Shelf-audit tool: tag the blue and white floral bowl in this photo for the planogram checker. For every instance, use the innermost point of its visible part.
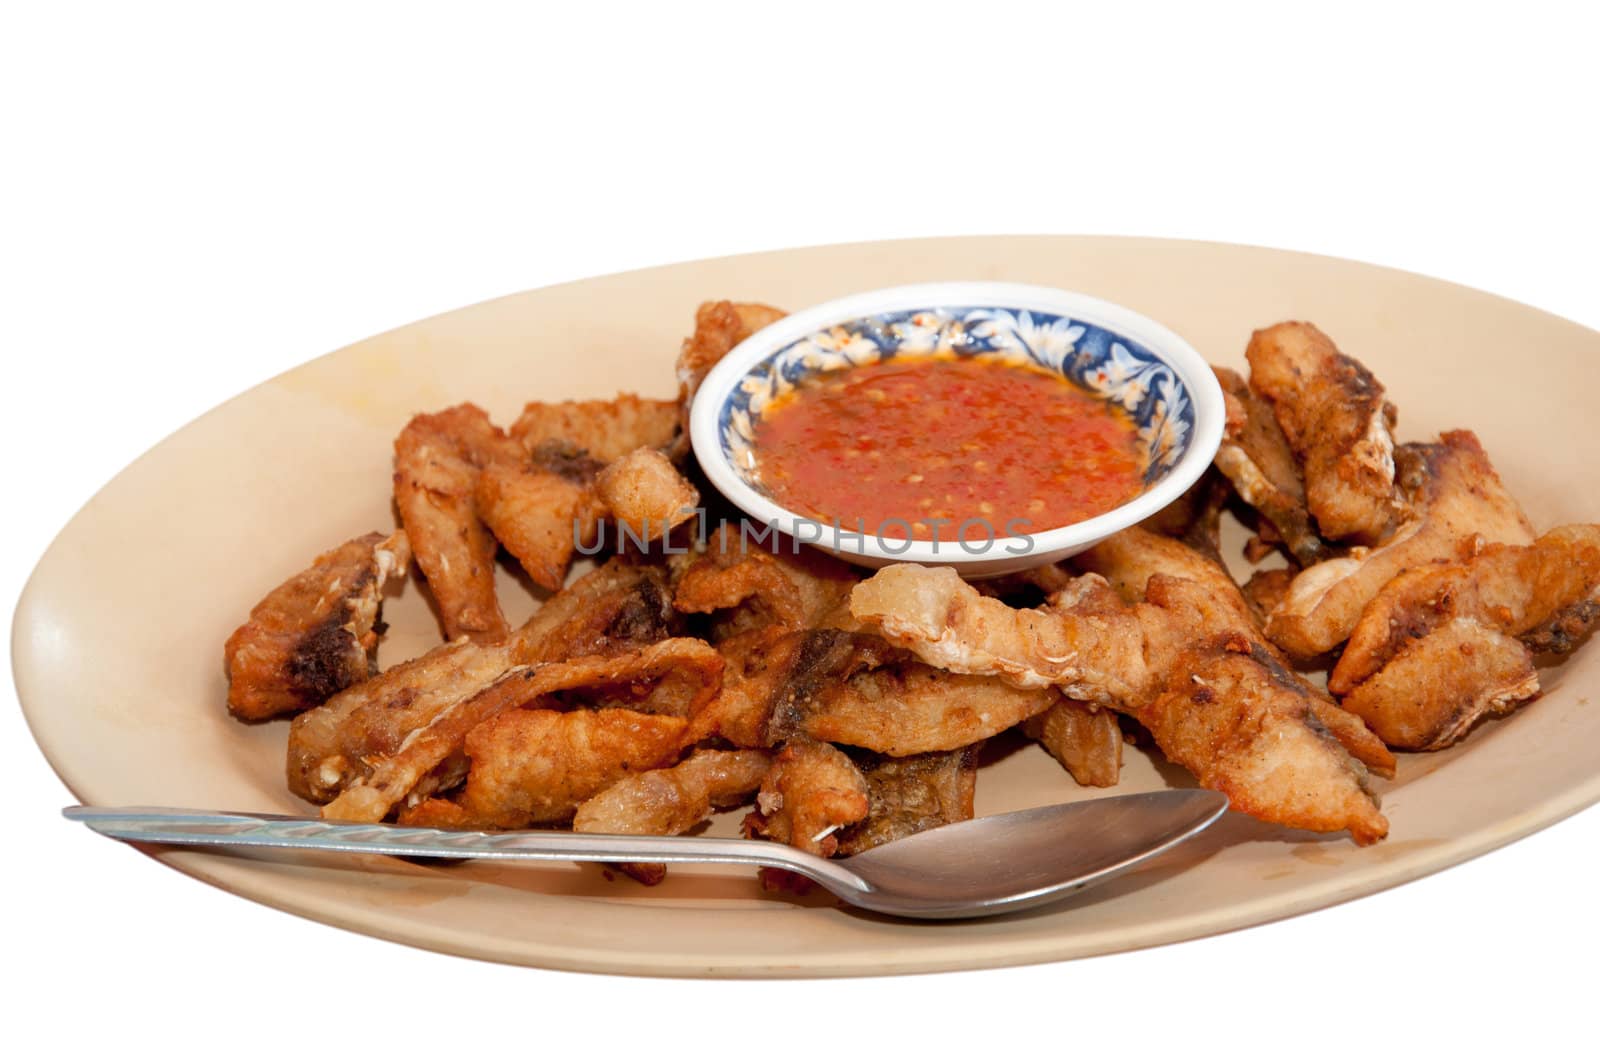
(1125, 358)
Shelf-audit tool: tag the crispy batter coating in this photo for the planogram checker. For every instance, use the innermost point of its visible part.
(673, 800)
(605, 428)
(1256, 458)
(853, 689)
(1458, 499)
(1516, 590)
(437, 458)
(1431, 692)
(1089, 644)
(758, 663)
(618, 607)
(1084, 738)
(908, 795)
(719, 327)
(1232, 720)
(1436, 649)
(645, 493)
(312, 636)
(755, 585)
(535, 766)
(1334, 416)
(811, 791)
(1265, 745)
(676, 677)
(539, 506)
(676, 799)
(1130, 559)
(333, 745)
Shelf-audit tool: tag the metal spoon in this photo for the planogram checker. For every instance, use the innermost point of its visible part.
(979, 867)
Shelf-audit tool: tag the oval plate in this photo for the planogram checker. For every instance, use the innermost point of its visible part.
(118, 636)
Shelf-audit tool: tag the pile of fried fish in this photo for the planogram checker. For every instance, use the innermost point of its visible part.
(692, 671)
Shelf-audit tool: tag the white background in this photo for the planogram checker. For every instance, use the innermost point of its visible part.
(197, 198)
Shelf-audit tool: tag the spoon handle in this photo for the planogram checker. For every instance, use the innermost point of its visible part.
(181, 826)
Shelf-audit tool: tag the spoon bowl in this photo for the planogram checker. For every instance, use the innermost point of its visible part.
(979, 867)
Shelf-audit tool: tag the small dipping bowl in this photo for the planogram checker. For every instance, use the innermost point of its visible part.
(1113, 353)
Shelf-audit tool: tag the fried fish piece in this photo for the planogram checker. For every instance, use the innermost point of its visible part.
(1086, 739)
(536, 766)
(1131, 558)
(755, 584)
(1264, 744)
(1256, 458)
(437, 459)
(313, 635)
(1431, 692)
(1087, 642)
(1457, 498)
(622, 605)
(676, 677)
(1334, 416)
(539, 507)
(1521, 591)
(673, 800)
(853, 689)
(646, 494)
(542, 509)
(908, 795)
(606, 429)
(333, 745)
(1235, 721)
(618, 607)
(758, 663)
(719, 327)
(811, 791)
(1437, 648)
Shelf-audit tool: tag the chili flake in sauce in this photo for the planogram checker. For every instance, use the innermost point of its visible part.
(930, 442)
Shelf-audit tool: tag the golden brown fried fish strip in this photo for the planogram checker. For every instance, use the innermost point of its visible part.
(676, 678)
(618, 607)
(908, 795)
(1129, 559)
(1457, 498)
(1436, 649)
(538, 507)
(809, 793)
(1087, 642)
(673, 800)
(1085, 739)
(852, 690)
(718, 328)
(1232, 720)
(1438, 686)
(1256, 458)
(605, 428)
(676, 799)
(762, 586)
(535, 766)
(1264, 746)
(1334, 416)
(437, 458)
(758, 663)
(335, 744)
(312, 636)
(1521, 591)
(646, 494)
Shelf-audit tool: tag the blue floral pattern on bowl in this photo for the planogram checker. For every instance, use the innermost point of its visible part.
(1113, 367)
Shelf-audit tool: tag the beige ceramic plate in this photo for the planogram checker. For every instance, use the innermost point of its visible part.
(119, 634)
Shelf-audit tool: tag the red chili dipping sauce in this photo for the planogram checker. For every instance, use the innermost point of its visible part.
(929, 442)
